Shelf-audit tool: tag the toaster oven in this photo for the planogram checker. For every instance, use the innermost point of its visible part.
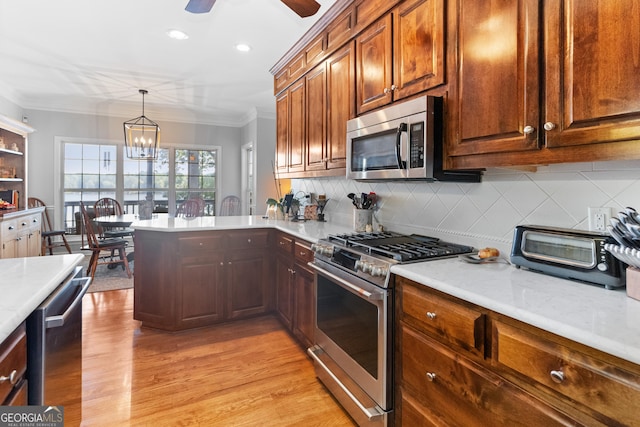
(571, 254)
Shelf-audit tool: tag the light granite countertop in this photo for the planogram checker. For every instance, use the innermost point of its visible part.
(26, 282)
(607, 320)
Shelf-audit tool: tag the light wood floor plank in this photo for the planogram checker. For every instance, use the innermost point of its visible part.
(245, 373)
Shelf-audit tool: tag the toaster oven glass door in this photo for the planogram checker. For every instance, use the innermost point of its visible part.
(575, 251)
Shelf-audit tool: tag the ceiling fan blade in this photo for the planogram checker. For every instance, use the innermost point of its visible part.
(199, 6)
(304, 8)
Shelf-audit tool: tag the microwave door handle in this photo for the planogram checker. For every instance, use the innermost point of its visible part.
(401, 129)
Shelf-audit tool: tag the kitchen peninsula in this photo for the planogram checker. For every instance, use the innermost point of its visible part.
(561, 350)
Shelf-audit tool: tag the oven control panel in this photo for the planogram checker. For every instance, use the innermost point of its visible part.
(372, 268)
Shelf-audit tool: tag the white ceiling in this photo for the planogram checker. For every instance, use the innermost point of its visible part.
(92, 56)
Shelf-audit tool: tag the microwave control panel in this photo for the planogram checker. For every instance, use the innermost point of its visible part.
(416, 145)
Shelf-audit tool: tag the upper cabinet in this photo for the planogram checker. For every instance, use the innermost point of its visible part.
(542, 82)
(401, 54)
(13, 159)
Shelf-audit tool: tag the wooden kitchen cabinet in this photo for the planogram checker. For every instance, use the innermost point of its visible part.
(340, 104)
(284, 283)
(304, 307)
(443, 376)
(538, 84)
(290, 129)
(453, 371)
(193, 279)
(13, 368)
(401, 54)
(602, 390)
(295, 302)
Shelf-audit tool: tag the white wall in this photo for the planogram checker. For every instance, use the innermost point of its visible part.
(49, 124)
(485, 214)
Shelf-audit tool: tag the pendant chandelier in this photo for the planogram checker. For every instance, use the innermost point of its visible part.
(142, 136)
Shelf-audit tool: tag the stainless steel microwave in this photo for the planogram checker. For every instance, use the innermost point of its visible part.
(400, 142)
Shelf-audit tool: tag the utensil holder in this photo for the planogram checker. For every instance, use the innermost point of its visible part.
(362, 217)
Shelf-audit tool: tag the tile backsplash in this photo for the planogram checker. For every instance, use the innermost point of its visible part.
(485, 214)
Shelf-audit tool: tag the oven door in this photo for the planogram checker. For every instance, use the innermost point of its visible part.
(353, 342)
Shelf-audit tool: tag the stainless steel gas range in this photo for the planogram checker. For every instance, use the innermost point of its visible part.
(353, 351)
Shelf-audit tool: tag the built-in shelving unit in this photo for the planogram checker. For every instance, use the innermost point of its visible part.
(13, 159)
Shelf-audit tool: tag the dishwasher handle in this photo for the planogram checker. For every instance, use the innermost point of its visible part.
(58, 320)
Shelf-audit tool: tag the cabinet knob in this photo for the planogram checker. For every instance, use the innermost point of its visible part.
(12, 378)
(248, 240)
(557, 376)
(23, 224)
(386, 90)
(221, 263)
(431, 376)
(35, 220)
(394, 87)
(549, 126)
(528, 130)
(303, 253)
(431, 315)
(11, 227)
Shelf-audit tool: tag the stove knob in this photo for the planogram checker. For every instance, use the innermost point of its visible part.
(379, 270)
(315, 248)
(363, 266)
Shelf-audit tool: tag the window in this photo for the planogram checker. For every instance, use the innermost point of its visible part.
(93, 171)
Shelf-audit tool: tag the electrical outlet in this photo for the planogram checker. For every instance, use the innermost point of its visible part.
(599, 218)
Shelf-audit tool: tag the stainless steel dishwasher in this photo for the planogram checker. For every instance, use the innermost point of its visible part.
(54, 346)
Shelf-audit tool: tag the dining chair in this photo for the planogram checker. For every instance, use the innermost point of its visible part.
(190, 208)
(99, 246)
(230, 206)
(107, 206)
(48, 234)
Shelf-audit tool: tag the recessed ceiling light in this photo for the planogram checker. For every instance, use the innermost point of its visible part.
(243, 47)
(177, 34)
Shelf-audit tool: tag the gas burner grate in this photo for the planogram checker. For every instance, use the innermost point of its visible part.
(399, 247)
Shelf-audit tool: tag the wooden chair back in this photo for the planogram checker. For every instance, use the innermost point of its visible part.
(230, 206)
(190, 208)
(48, 234)
(34, 202)
(107, 206)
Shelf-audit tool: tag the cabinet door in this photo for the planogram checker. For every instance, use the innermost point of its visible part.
(247, 274)
(284, 289)
(340, 104)
(374, 66)
(591, 71)
(297, 134)
(200, 292)
(418, 47)
(305, 314)
(316, 82)
(495, 91)
(282, 132)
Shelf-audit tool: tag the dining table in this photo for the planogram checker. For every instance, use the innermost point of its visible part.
(110, 221)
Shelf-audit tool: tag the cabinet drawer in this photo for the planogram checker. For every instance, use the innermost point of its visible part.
(9, 228)
(13, 357)
(284, 243)
(303, 252)
(249, 240)
(453, 323)
(598, 385)
(457, 391)
(200, 244)
(29, 222)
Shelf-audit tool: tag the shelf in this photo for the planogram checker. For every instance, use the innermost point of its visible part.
(11, 179)
(6, 150)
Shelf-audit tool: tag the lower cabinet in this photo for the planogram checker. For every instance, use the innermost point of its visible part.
(294, 287)
(463, 365)
(193, 279)
(13, 368)
(20, 234)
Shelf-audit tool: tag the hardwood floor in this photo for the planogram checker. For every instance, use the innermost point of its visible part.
(246, 373)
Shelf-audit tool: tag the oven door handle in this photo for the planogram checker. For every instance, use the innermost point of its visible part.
(58, 320)
(348, 286)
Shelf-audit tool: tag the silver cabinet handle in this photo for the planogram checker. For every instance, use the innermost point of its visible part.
(557, 376)
(11, 227)
(431, 315)
(12, 378)
(393, 87)
(528, 130)
(431, 376)
(549, 126)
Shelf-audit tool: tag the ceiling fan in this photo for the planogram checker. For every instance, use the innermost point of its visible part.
(304, 8)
